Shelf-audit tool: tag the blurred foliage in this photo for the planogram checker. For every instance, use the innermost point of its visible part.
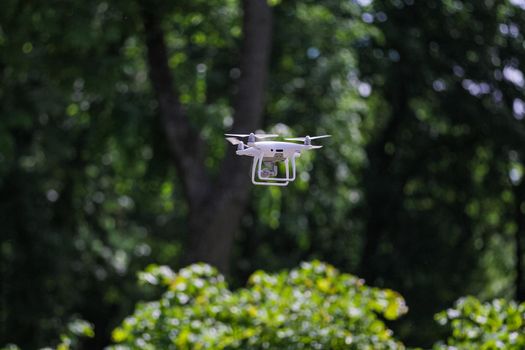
(439, 190)
(426, 158)
(420, 188)
(310, 307)
(75, 329)
(69, 339)
(475, 325)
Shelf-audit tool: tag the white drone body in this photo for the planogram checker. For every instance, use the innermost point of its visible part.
(267, 154)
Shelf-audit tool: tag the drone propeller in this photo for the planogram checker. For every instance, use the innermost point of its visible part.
(259, 136)
(307, 138)
(234, 141)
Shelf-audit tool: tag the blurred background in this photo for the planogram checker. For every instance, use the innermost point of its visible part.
(112, 153)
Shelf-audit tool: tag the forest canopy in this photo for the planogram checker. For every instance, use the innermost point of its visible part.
(112, 155)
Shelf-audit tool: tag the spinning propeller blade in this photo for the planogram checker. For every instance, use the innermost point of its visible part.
(233, 140)
(265, 136)
(295, 138)
(259, 136)
(304, 138)
(237, 135)
(320, 137)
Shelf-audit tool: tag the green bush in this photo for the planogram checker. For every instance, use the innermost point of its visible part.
(312, 307)
(499, 324)
(70, 337)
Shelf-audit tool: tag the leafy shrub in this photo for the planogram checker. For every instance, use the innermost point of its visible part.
(76, 329)
(69, 338)
(499, 324)
(312, 307)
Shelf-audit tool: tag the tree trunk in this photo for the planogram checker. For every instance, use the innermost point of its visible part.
(519, 240)
(383, 188)
(216, 207)
(213, 225)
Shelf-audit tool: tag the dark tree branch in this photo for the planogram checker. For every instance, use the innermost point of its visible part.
(519, 240)
(218, 224)
(255, 55)
(383, 201)
(185, 144)
(215, 208)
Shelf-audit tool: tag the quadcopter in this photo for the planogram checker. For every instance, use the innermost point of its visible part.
(267, 154)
